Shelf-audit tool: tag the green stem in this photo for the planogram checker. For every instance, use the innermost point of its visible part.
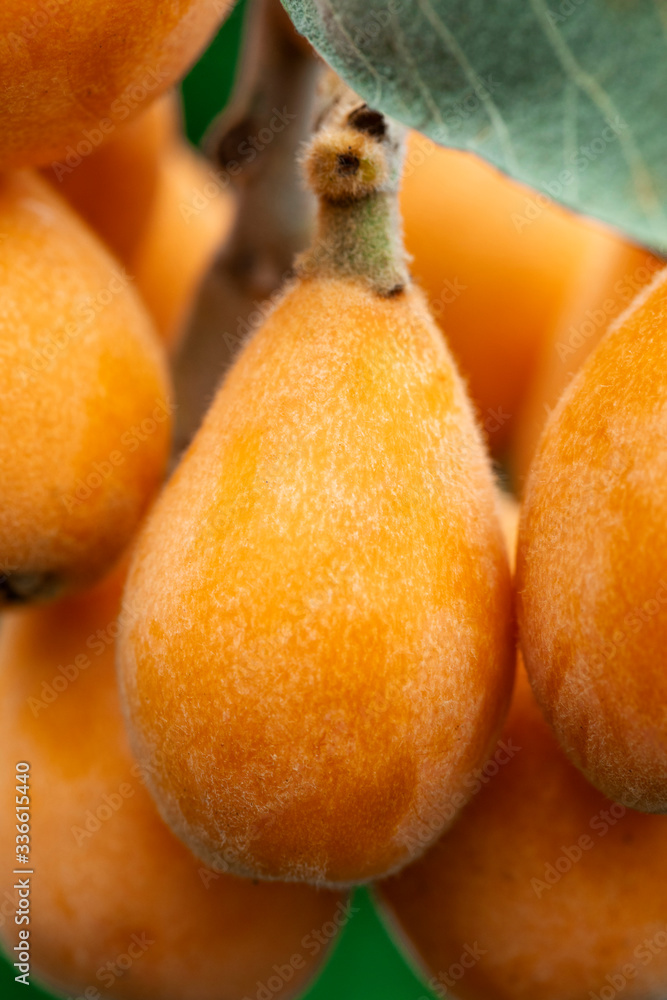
(359, 239)
(353, 164)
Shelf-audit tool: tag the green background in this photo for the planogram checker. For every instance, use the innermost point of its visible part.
(365, 964)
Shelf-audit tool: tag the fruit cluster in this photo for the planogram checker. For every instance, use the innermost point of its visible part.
(226, 700)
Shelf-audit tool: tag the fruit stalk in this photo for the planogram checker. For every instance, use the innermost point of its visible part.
(274, 217)
(354, 167)
(338, 654)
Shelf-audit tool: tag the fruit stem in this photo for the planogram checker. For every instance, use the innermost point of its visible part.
(254, 144)
(353, 165)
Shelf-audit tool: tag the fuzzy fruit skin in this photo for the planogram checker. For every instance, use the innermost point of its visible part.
(496, 278)
(81, 368)
(74, 80)
(337, 653)
(108, 872)
(114, 188)
(560, 936)
(142, 194)
(179, 240)
(591, 561)
(611, 275)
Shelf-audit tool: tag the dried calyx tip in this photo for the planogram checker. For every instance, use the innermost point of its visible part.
(355, 150)
(353, 164)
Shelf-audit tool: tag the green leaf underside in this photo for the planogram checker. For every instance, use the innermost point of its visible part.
(569, 96)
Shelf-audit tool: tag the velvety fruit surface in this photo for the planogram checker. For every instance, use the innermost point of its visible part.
(85, 414)
(118, 906)
(592, 553)
(319, 632)
(72, 72)
(543, 889)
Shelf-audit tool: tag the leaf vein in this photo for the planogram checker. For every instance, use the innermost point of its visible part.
(335, 16)
(489, 105)
(423, 89)
(643, 183)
